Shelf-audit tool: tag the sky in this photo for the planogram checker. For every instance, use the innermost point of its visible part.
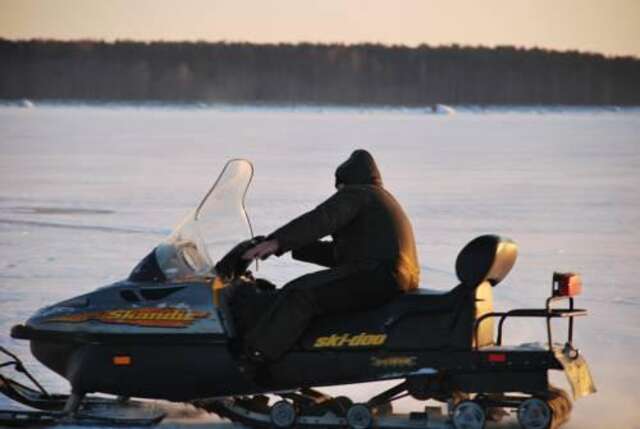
(611, 27)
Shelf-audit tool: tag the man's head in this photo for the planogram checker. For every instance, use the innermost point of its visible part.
(359, 169)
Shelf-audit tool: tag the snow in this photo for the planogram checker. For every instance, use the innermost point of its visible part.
(86, 191)
(443, 109)
(26, 104)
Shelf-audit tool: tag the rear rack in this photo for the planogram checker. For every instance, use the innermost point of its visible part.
(548, 313)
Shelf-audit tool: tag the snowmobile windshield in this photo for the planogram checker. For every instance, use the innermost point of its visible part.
(218, 223)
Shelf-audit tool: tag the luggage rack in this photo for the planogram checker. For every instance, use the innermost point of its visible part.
(564, 287)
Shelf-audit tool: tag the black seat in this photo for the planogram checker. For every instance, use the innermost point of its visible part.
(426, 319)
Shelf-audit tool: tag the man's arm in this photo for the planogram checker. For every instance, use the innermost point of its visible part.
(319, 252)
(327, 218)
(336, 212)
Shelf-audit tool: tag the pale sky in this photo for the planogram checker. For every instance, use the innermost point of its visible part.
(611, 27)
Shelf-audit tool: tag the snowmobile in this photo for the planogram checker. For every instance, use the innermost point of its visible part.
(173, 330)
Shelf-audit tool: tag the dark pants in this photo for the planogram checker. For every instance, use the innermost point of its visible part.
(336, 290)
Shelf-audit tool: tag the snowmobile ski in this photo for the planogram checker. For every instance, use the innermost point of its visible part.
(47, 408)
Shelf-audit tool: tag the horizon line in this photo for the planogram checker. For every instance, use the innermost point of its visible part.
(327, 44)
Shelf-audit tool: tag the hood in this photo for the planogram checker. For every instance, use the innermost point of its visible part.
(359, 169)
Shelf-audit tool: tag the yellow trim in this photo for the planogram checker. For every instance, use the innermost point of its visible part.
(168, 317)
(363, 339)
(216, 286)
(393, 361)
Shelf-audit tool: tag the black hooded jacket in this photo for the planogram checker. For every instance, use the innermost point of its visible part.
(367, 224)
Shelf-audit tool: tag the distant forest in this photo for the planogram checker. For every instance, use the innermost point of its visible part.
(365, 74)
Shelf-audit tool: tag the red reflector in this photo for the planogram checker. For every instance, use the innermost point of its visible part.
(567, 284)
(497, 357)
(122, 360)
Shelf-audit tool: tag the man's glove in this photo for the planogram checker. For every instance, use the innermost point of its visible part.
(262, 250)
(233, 264)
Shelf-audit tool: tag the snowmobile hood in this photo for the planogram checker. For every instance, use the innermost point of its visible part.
(359, 169)
(172, 310)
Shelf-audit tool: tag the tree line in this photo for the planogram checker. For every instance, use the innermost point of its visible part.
(363, 74)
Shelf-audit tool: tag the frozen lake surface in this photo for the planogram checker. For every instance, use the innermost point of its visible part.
(85, 192)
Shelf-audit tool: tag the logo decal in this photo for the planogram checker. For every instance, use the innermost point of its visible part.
(153, 317)
(348, 340)
(393, 361)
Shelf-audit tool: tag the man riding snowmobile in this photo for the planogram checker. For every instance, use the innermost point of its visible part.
(371, 259)
(177, 310)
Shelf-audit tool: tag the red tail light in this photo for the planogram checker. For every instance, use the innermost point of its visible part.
(566, 284)
(497, 357)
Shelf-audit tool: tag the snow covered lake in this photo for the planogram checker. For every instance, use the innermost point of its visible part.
(85, 192)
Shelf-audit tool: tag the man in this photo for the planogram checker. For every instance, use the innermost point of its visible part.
(371, 259)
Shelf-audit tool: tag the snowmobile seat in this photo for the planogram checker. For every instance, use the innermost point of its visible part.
(426, 319)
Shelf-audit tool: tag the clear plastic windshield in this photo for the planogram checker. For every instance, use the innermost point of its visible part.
(212, 229)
